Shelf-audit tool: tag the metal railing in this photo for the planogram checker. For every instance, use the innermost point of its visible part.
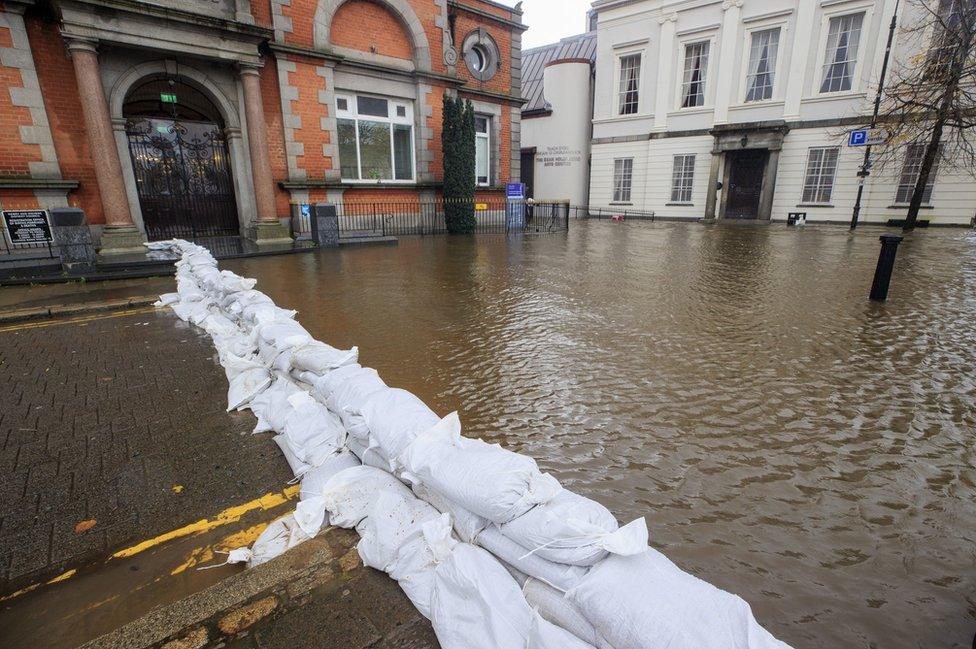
(611, 213)
(364, 220)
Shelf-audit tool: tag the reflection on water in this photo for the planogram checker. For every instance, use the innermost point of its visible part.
(786, 439)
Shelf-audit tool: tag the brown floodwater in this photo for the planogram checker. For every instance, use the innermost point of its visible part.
(785, 438)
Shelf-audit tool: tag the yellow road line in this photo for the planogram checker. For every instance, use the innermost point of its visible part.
(23, 591)
(226, 517)
(55, 322)
(230, 515)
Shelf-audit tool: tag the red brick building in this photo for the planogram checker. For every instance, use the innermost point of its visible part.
(180, 117)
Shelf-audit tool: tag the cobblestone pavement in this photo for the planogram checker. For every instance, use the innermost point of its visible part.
(113, 430)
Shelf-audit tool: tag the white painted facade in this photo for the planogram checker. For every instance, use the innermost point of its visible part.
(774, 129)
(560, 137)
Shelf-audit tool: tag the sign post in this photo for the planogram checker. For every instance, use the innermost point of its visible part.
(27, 227)
(514, 207)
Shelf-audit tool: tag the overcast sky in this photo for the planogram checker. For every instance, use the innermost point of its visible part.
(550, 20)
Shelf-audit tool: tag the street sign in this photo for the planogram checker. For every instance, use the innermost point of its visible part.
(25, 227)
(867, 137)
(481, 207)
(515, 190)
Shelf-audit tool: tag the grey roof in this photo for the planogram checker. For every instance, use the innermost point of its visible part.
(534, 61)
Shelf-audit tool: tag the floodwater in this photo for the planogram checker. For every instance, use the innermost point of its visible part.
(785, 438)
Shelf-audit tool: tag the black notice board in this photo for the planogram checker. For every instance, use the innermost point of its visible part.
(26, 227)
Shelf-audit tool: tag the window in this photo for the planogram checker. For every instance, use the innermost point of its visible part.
(373, 145)
(480, 53)
(840, 58)
(696, 66)
(682, 178)
(909, 176)
(821, 170)
(629, 92)
(623, 172)
(482, 146)
(946, 38)
(762, 65)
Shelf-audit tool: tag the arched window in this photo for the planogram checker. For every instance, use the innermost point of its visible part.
(162, 96)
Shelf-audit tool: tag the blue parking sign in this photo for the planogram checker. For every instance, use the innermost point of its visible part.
(859, 138)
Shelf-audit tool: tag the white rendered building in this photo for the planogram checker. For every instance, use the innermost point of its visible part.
(557, 81)
(741, 109)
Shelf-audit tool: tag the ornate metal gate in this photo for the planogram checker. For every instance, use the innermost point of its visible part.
(183, 176)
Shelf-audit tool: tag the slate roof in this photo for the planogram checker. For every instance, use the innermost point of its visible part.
(582, 46)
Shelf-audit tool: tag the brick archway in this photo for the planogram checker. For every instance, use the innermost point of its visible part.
(400, 9)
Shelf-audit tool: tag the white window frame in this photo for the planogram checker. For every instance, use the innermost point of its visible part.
(618, 77)
(620, 199)
(933, 176)
(863, 52)
(351, 113)
(679, 72)
(750, 33)
(685, 182)
(820, 176)
(486, 136)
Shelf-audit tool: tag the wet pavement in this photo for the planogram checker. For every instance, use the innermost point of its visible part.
(786, 439)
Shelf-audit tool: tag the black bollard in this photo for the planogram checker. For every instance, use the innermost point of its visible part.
(886, 261)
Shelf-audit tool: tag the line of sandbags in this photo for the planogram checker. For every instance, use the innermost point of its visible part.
(536, 565)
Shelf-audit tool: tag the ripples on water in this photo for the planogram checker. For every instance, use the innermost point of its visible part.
(786, 439)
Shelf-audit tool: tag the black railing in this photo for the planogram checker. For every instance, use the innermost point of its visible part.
(362, 220)
(611, 213)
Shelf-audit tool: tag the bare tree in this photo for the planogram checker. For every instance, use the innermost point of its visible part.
(930, 101)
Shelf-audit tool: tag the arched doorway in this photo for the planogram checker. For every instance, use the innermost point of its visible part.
(180, 160)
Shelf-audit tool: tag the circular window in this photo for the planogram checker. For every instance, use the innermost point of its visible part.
(477, 58)
(481, 55)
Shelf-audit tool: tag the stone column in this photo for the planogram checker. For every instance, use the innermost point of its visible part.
(726, 61)
(665, 67)
(710, 197)
(267, 229)
(803, 30)
(769, 185)
(120, 235)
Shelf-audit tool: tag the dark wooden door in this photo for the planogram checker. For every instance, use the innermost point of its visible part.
(528, 172)
(745, 183)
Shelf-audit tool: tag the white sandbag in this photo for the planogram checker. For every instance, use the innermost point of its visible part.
(311, 516)
(349, 396)
(245, 386)
(298, 467)
(392, 518)
(483, 478)
(193, 311)
(324, 385)
(349, 493)
(476, 604)
(466, 524)
(575, 530)
(319, 358)
(271, 407)
(558, 575)
(313, 433)
(553, 606)
(218, 325)
(645, 602)
(167, 299)
(281, 333)
(235, 343)
(417, 558)
(252, 314)
(369, 456)
(394, 418)
(234, 283)
(280, 536)
(315, 479)
(543, 634)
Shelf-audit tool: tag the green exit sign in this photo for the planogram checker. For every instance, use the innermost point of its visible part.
(167, 98)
